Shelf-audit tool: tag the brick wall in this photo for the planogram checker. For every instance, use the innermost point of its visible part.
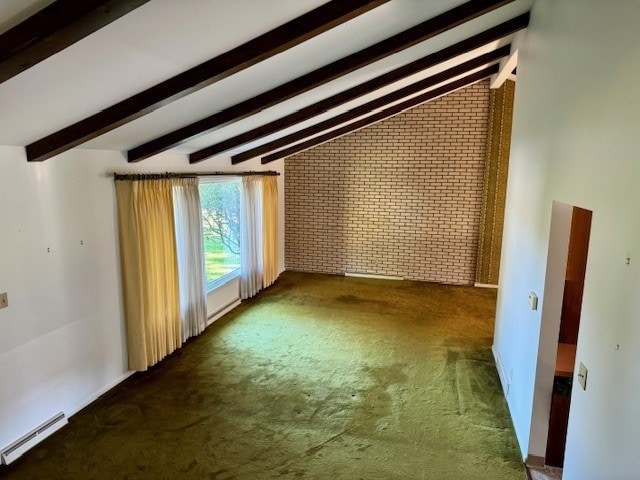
(401, 197)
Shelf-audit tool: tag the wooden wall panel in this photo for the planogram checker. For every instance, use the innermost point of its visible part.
(495, 184)
(574, 280)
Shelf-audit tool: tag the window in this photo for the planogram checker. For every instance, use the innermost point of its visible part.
(220, 203)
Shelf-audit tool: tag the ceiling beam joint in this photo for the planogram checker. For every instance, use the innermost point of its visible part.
(505, 70)
(377, 117)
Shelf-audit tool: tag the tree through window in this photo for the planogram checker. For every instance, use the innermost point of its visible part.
(220, 204)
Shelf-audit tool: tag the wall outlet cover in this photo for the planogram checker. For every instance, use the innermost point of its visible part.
(4, 300)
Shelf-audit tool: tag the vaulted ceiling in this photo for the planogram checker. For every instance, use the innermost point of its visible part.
(240, 78)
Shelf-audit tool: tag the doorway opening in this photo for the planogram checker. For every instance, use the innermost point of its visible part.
(567, 253)
(568, 335)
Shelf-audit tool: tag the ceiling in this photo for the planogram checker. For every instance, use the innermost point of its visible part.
(163, 38)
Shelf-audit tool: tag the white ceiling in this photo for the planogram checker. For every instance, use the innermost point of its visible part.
(13, 12)
(165, 37)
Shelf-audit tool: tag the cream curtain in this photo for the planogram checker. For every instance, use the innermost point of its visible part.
(149, 270)
(190, 255)
(251, 268)
(271, 258)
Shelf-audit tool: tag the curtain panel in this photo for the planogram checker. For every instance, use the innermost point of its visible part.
(190, 256)
(260, 255)
(149, 270)
(251, 269)
(270, 251)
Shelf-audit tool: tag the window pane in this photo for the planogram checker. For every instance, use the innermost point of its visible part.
(220, 227)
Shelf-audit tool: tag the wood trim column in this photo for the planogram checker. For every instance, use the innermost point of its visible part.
(495, 184)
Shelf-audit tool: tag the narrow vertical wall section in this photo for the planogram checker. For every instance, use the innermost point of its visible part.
(495, 183)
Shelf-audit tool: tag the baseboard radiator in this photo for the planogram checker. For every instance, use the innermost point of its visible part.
(31, 439)
(372, 275)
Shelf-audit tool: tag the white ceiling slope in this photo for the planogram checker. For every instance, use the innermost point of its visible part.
(165, 37)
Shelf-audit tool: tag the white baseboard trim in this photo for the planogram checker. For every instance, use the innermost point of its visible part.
(93, 397)
(98, 393)
(502, 374)
(223, 311)
(534, 461)
(485, 285)
(506, 388)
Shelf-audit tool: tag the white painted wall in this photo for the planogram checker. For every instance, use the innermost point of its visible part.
(62, 337)
(551, 313)
(576, 140)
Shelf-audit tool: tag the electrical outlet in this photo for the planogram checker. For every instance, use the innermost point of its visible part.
(4, 300)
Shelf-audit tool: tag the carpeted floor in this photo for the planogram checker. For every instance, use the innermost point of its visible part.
(318, 377)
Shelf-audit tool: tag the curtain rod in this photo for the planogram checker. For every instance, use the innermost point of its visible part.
(155, 176)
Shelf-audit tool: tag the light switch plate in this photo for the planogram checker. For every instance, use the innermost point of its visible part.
(4, 300)
(582, 376)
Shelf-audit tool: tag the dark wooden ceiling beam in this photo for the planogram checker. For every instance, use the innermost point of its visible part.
(254, 51)
(389, 112)
(381, 102)
(425, 30)
(54, 28)
(500, 31)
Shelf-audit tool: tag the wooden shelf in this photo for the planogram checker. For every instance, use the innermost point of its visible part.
(565, 360)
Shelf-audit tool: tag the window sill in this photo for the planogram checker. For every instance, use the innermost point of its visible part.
(222, 281)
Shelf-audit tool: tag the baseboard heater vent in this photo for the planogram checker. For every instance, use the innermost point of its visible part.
(223, 311)
(502, 373)
(31, 439)
(372, 275)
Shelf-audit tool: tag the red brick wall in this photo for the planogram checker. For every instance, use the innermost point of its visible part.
(401, 197)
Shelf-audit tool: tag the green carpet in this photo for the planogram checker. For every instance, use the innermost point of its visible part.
(318, 377)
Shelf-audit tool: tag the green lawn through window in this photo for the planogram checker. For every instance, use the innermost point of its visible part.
(218, 259)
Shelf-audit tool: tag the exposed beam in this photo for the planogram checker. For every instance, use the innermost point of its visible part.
(465, 46)
(380, 102)
(399, 42)
(260, 48)
(389, 112)
(55, 28)
(507, 66)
